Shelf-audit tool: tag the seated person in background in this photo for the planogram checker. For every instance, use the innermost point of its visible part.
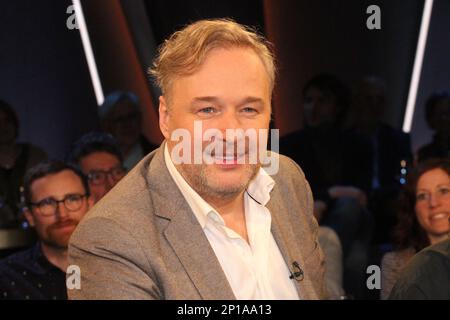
(121, 116)
(336, 165)
(332, 250)
(15, 159)
(389, 148)
(98, 156)
(437, 114)
(57, 198)
(423, 218)
(427, 276)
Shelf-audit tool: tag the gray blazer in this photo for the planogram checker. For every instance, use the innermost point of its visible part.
(142, 241)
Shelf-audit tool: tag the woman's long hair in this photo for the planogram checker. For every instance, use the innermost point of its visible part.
(409, 233)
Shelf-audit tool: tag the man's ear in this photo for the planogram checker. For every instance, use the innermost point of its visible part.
(164, 117)
(29, 216)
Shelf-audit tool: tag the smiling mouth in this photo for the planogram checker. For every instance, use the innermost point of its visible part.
(439, 216)
(229, 159)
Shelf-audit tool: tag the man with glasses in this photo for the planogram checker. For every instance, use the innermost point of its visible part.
(57, 197)
(99, 158)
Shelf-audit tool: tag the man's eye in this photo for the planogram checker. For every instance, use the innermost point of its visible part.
(207, 110)
(73, 197)
(444, 191)
(46, 202)
(95, 175)
(249, 110)
(118, 171)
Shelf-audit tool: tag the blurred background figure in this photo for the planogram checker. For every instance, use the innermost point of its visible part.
(427, 276)
(437, 114)
(57, 197)
(15, 159)
(334, 273)
(336, 165)
(98, 156)
(423, 218)
(389, 153)
(121, 116)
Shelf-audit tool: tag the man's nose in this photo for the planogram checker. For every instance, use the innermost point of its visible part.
(61, 211)
(110, 181)
(229, 120)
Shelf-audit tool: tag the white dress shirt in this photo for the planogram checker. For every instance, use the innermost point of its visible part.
(254, 269)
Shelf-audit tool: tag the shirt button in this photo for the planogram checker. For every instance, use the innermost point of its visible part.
(39, 285)
(27, 297)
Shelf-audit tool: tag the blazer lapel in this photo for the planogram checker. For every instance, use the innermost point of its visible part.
(185, 234)
(284, 235)
(199, 260)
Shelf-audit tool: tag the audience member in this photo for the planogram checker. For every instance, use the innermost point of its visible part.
(121, 116)
(332, 250)
(98, 156)
(57, 198)
(389, 153)
(15, 159)
(427, 276)
(437, 114)
(336, 165)
(423, 218)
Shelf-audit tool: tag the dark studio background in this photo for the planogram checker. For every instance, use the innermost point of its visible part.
(44, 73)
(45, 77)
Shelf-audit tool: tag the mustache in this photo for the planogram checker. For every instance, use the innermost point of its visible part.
(228, 148)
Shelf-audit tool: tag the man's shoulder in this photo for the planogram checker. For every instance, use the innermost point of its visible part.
(126, 205)
(288, 168)
(290, 176)
(17, 260)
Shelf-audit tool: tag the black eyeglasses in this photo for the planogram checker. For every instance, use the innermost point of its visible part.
(47, 207)
(98, 177)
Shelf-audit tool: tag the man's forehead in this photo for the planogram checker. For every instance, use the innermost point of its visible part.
(99, 160)
(57, 184)
(221, 64)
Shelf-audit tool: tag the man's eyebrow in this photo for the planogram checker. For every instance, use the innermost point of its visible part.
(215, 99)
(252, 99)
(205, 99)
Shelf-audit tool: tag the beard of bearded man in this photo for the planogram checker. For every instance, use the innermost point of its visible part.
(57, 238)
(208, 186)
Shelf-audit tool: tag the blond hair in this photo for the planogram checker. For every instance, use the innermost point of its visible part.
(185, 51)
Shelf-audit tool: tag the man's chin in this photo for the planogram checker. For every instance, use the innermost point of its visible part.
(229, 182)
(60, 238)
(58, 243)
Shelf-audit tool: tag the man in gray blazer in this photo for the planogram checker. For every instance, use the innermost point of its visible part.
(196, 218)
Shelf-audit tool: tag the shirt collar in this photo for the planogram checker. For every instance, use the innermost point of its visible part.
(38, 256)
(258, 189)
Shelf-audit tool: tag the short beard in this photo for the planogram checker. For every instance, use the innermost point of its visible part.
(196, 177)
(56, 241)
